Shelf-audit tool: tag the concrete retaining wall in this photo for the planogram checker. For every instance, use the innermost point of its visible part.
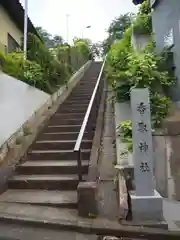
(139, 42)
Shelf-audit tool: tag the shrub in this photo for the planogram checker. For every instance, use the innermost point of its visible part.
(143, 25)
(126, 68)
(125, 133)
(44, 69)
(143, 21)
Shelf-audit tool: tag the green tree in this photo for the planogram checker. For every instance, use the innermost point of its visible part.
(119, 25)
(57, 40)
(117, 29)
(44, 35)
(49, 40)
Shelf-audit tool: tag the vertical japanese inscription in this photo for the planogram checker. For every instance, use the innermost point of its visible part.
(142, 141)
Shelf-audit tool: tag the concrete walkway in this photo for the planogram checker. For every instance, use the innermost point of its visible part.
(171, 211)
(19, 232)
(107, 192)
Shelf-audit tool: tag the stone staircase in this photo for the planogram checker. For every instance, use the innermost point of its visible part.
(46, 178)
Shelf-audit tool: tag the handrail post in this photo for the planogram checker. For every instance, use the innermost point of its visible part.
(79, 165)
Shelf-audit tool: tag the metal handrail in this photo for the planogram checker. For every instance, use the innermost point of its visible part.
(86, 118)
(85, 121)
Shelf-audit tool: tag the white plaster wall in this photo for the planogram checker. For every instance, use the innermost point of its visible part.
(18, 101)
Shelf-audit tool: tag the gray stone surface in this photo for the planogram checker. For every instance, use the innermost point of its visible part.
(171, 210)
(147, 208)
(160, 164)
(15, 231)
(87, 199)
(146, 203)
(108, 207)
(142, 142)
(139, 42)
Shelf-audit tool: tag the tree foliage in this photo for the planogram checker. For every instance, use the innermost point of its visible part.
(49, 40)
(117, 29)
(119, 25)
(143, 22)
(127, 69)
(46, 69)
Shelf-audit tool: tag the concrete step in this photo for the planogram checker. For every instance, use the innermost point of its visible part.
(72, 110)
(83, 92)
(60, 121)
(76, 109)
(59, 145)
(44, 182)
(51, 167)
(79, 98)
(32, 214)
(63, 199)
(69, 115)
(35, 222)
(76, 102)
(57, 155)
(63, 136)
(18, 230)
(62, 128)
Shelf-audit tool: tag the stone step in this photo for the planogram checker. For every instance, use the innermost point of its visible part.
(69, 102)
(51, 167)
(18, 230)
(83, 92)
(32, 214)
(85, 88)
(44, 182)
(72, 110)
(79, 98)
(78, 109)
(63, 199)
(85, 85)
(57, 155)
(62, 128)
(59, 145)
(61, 121)
(75, 104)
(63, 136)
(69, 115)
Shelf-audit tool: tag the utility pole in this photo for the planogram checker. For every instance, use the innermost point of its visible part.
(67, 27)
(25, 28)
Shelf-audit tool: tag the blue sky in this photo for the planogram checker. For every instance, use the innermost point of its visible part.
(51, 15)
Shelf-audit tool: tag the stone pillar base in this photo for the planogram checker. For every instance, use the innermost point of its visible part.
(147, 208)
(87, 199)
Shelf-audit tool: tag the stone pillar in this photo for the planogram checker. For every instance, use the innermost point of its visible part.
(146, 202)
(87, 199)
